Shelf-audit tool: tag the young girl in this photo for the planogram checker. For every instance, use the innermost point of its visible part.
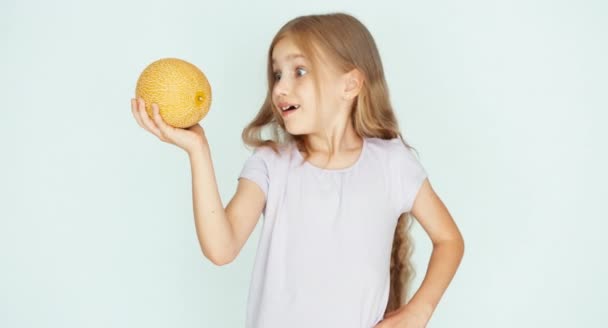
(336, 184)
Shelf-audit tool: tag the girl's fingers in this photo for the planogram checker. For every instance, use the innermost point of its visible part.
(160, 123)
(136, 113)
(150, 126)
(158, 119)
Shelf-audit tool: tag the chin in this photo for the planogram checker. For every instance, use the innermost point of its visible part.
(296, 133)
(296, 130)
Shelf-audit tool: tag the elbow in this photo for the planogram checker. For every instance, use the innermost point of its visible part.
(456, 243)
(461, 248)
(460, 244)
(219, 259)
(220, 262)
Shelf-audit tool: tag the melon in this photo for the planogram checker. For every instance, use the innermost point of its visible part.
(180, 89)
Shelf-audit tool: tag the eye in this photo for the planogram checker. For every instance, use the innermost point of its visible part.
(277, 76)
(300, 71)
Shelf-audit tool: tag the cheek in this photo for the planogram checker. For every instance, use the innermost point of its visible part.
(308, 92)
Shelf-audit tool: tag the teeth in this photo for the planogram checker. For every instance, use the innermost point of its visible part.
(290, 106)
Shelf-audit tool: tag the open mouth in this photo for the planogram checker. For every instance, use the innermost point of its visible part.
(289, 108)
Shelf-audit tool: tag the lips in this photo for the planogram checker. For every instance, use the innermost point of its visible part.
(284, 106)
(287, 109)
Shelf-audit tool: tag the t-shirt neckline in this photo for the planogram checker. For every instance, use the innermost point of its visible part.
(345, 169)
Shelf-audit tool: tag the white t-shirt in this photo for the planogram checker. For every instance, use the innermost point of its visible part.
(324, 253)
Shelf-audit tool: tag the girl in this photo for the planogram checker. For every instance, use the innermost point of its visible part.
(336, 184)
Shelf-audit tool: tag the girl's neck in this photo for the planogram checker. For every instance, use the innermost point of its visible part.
(334, 142)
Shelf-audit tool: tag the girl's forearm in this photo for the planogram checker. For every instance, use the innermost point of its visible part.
(444, 261)
(212, 226)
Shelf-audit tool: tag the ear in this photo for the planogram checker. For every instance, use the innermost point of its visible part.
(353, 82)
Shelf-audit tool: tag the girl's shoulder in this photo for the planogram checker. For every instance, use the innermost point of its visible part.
(270, 154)
(388, 146)
(383, 142)
(391, 150)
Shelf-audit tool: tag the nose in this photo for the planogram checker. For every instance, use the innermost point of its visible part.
(281, 87)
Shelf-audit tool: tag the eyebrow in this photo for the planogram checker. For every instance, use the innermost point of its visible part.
(291, 56)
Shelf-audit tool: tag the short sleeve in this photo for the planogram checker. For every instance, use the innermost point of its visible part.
(410, 177)
(256, 169)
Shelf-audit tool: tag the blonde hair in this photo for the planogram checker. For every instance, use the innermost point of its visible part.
(348, 44)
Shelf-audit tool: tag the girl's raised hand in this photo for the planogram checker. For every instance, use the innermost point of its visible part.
(188, 139)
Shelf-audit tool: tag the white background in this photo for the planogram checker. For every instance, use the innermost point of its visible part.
(505, 101)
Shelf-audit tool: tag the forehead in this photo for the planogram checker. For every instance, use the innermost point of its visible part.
(286, 50)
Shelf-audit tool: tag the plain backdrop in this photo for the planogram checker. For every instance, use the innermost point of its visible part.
(505, 102)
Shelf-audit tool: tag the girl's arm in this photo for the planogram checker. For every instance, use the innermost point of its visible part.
(448, 249)
(222, 232)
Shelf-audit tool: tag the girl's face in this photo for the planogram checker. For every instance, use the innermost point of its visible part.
(294, 94)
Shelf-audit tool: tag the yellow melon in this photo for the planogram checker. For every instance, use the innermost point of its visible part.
(180, 89)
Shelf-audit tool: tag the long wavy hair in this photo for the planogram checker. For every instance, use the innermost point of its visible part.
(348, 44)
